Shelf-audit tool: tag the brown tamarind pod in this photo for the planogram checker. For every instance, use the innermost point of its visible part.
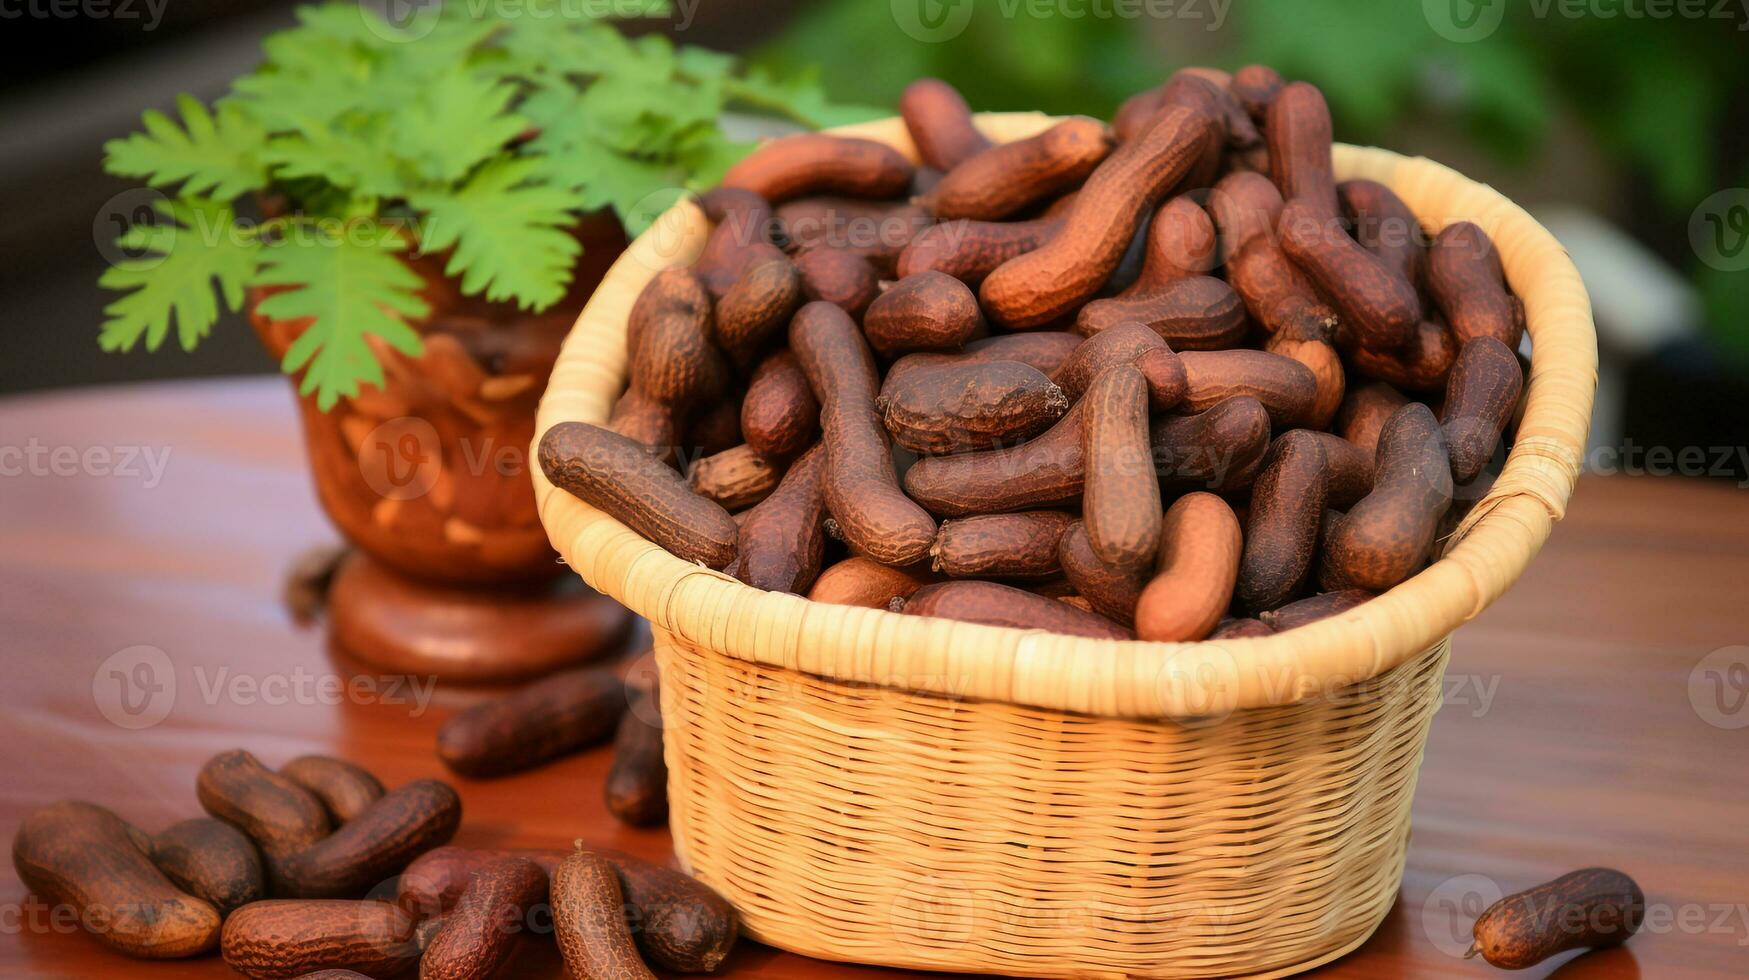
(971, 250)
(736, 478)
(1206, 92)
(211, 860)
(715, 427)
(1378, 307)
(552, 717)
(1238, 629)
(1246, 208)
(1421, 364)
(782, 541)
(280, 816)
(1195, 313)
(589, 917)
(83, 858)
(1480, 395)
(865, 582)
(289, 938)
(1046, 471)
(969, 407)
(1256, 86)
(1192, 587)
(1384, 226)
(1320, 358)
(991, 604)
(1109, 590)
(1364, 412)
(1008, 177)
(1045, 284)
(930, 311)
(1385, 538)
(647, 422)
(1219, 450)
(1181, 243)
(816, 163)
(344, 788)
(757, 307)
(1299, 135)
(1313, 608)
(1008, 546)
(1281, 526)
(1046, 350)
(1466, 280)
(940, 123)
(1350, 468)
(844, 279)
(743, 222)
(637, 785)
(779, 416)
(675, 291)
(375, 845)
(1124, 343)
(1121, 500)
(675, 362)
(876, 230)
(1287, 388)
(862, 490)
(1164, 372)
(1589, 908)
(614, 474)
(481, 935)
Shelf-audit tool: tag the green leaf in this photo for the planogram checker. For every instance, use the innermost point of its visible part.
(799, 97)
(461, 121)
(354, 286)
(509, 232)
(209, 155)
(172, 282)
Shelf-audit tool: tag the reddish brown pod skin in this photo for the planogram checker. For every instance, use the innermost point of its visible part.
(1480, 396)
(280, 816)
(1121, 502)
(736, 478)
(1350, 468)
(667, 336)
(757, 307)
(1011, 546)
(862, 490)
(1379, 308)
(1196, 313)
(1167, 381)
(990, 604)
(1256, 86)
(1043, 285)
(345, 789)
(1047, 471)
(1313, 608)
(930, 311)
(590, 922)
(783, 540)
(552, 717)
(1384, 226)
(649, 423)
(1240, 629)
(969, 407)
(815, 163)
(674, 291)
(1466, 280)
(1246, 208)
(1110, 591)
(1281, 526)
(1287, 388)
(408, 821)
(876, 230)
(1299, 136)
(940, 123)
(844, 279)
(1590, 908)
(213, 861)
(1422, 364)
(1218, 450)
(1009, 177)
(1384, 538)
(1320, 358)
(1125, 343)
(283, 939)
(637, 786)
(1046, 350)
(867, 583)
(482, 933)
(742, 236)
(608, 471)
(1364, 412)
(779, 416)
(971, 250)
(1200, 544)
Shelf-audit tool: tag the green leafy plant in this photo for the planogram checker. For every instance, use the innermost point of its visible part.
(483, 135)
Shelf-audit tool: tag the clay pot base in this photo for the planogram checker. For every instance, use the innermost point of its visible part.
(472, 636)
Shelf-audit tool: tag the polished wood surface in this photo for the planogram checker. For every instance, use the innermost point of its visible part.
(1588, 719)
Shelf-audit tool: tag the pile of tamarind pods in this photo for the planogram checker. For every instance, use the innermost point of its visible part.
(1163, 379)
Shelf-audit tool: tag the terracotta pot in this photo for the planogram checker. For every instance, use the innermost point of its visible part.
(429, 474)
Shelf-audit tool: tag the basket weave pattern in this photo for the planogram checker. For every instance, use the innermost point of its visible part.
(898, 790)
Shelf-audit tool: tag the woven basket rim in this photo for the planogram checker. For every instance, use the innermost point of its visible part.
(1489, 550)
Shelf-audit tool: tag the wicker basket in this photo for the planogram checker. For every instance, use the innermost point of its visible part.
(903, 791)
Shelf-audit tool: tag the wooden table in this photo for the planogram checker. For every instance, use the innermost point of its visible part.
(1569, 736)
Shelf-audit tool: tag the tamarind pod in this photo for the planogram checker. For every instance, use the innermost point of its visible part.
(1256, 86)
(757, 307)
(930, 311)
(1218, 450)
(1313, 608)
(1046, 471)
(1009, 546)
(817, 163)
(1193, 313)
(865, 582)
(844, 279)
(1298, 133)
(1423, 363)
(1320, 358)
(1286, 387)
(1385, 537)
(1109, 590)
(940, 123)
(742, 235)
(1281, 525)
(1200, 544)
(1467, 282)
(970, 250)
(1046, 350)
(969, 407)
(1121, 501)
(1480, 395)
(974, 601)
(781, 541)
(779, 416)
(1364, 412)
(1384, 226)
(1008, 177)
